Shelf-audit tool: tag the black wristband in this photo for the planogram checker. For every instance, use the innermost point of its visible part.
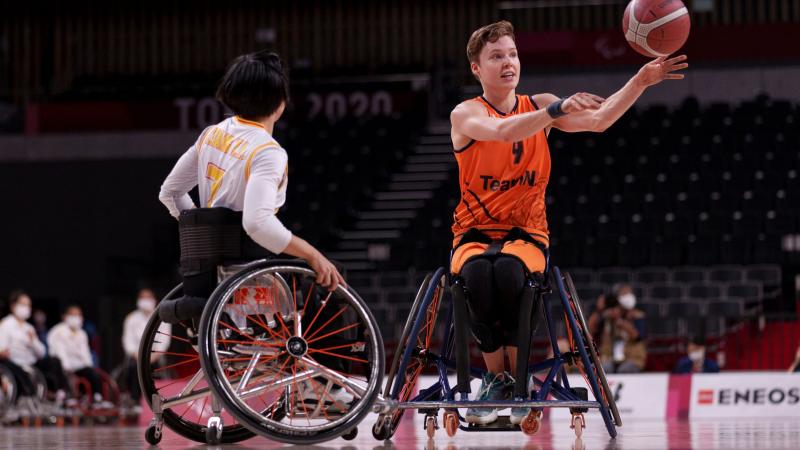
(554, 109)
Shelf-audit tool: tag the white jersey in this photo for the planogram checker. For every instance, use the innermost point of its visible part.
(236, 164)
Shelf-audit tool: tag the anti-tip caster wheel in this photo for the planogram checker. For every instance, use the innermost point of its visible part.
(152, 435)
(350, 435)
(380, 430)
(431, 426)
(531, 424)
(214, 431)
(578, 423)
(451, 423)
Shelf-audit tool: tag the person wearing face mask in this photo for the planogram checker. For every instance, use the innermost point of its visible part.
(132, 331)
(21, 348)
(70, 344)
(695, 361)
(620, 329)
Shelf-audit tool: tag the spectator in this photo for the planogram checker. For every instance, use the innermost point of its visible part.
(620, 329)
(132, 331)
(40, 325)
(695, 361)
(70, 344)
(21, 349)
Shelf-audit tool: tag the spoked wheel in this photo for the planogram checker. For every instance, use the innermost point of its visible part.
(288, 359)
(8, 390)
(410, 357)
(582, 342)
(169, 366)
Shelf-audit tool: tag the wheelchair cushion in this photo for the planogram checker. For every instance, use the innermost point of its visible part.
(529, 254)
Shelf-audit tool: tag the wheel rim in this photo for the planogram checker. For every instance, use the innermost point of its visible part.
(279, 354)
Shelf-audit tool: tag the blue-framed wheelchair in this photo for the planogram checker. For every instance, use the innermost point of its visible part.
(416, 353)
(272, 353)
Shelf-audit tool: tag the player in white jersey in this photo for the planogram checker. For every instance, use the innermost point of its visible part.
(238, 165)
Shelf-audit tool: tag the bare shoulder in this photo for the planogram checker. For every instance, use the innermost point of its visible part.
(542, 100)
(466, 109)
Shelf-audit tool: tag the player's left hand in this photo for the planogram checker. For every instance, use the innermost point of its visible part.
(661, 69)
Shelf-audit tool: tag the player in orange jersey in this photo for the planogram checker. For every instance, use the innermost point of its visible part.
(500, 226)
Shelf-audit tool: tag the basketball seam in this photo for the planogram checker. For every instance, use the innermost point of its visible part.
(638, 32)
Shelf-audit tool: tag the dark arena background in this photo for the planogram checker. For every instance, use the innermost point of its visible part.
(692, 198)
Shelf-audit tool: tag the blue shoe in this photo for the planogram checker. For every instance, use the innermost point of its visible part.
(492, 387)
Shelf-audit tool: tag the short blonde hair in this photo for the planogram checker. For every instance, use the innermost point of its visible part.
(488, 33)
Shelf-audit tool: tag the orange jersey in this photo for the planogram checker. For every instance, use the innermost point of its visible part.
(503, 183)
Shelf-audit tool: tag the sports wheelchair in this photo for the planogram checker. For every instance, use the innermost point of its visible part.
(416, 353)
(273, 353)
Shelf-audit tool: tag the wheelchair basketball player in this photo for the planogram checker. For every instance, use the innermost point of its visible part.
(500, 226)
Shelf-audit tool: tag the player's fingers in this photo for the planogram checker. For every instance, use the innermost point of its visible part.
(340, 279)
(582, 103)
(678, 67)
(659, 60)
(676, 59)
(674, 76)
(597, 98)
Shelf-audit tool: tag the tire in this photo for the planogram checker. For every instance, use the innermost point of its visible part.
(173, 418)
(420, 326)
(273, 329)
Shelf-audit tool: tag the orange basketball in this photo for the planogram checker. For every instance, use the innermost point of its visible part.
(656, 27)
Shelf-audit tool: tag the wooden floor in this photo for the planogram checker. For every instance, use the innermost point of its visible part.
(761, 433)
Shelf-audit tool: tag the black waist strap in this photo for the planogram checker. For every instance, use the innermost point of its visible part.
(496, 245)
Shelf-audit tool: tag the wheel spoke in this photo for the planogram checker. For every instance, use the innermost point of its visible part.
(350, 358)
(196, 358)
(324, 304)
(338, 313)
(334, 332)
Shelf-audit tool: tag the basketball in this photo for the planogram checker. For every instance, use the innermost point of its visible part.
(656, 27)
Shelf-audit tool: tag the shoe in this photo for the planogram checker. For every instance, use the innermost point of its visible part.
(336, 400)
(518, 414)
(492, 387)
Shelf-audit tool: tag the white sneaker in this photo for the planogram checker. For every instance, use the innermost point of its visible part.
(337, 399)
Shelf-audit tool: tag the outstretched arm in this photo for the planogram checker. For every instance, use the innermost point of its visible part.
(614, 107)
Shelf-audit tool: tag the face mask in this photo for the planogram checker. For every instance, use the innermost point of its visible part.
(74, 322)
(697, 355)
(22, 312)
(146, 304)
(627, 301)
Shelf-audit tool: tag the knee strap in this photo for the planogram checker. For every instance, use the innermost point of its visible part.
(174, 311)
(461, 325)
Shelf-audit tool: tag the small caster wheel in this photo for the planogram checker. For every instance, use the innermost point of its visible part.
(431, 426)
(451, 423)
(37, 422)
(380, 430)
(531, 424)
(350, 435)
(152, 435)
(578, 424)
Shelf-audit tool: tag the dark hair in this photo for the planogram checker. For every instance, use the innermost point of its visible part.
(15, 295)
(254, 85)
(72, 305)
(489, 33)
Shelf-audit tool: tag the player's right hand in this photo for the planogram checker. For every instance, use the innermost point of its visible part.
(327, 275)
(581, 101)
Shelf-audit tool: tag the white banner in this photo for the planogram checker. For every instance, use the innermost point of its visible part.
(745, 394)
(640, 396)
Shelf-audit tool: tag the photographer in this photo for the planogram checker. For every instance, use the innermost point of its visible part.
(620, 329)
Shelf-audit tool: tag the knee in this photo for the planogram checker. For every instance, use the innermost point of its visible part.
(477, 275)
(509, 275)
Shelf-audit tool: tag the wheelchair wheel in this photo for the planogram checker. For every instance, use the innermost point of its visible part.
(580, 340)
(169, 367)
(8, 390)
(410, 357)
(288, 359)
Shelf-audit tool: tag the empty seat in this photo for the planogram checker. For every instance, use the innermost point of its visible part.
(726, 274)
(689, 275)
(651, 309)
(724, 308)
(750, 291)
(651, 275)
(613, 275)
(769, 275)
(662, 327)
(705, 292)
(665, 291)
(683, 309)
(400, 296)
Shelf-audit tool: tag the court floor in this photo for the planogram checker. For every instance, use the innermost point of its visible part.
(756, 433)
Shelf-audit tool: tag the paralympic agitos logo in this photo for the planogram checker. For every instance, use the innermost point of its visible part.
(758, 396)
(491, 183)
